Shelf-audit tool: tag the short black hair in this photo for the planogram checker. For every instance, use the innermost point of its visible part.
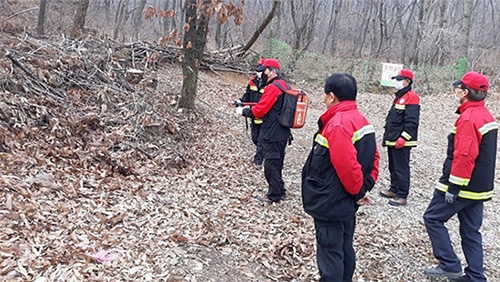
(342, 85)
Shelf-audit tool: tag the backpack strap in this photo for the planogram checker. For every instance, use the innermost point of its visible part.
(281, 87)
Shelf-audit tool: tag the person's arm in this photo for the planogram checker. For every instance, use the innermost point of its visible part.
(343, 156)
(266, 102)
(412, 116)
(466, 150)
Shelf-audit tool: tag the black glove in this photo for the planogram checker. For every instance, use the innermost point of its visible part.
(451, 195)
(450, 198)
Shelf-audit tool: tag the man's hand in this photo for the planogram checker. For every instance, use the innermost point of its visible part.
(239, 110)
(366, 200)
(450, 198)
(400, 143)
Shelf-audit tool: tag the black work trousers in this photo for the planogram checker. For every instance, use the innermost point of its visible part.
(274, 155)
(399, 168)
(335, 252)
(258, 157)
(470, 216)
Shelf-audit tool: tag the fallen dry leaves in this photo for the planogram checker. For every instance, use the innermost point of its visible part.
(119, 185)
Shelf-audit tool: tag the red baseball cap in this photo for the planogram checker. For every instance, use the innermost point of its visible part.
(271, 63)
(258, 65)
(474, 80)
(402, 74)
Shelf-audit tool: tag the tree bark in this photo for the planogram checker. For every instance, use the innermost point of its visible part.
(81, 14)
(166, 20)
(40, 26)
(260, 29)
(137, 22)
(120, 17)
(468, 7)
(195, 40)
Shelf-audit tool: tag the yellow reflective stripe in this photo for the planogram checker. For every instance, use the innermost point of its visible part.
(406, 135)
(257, 121)
(441, 187)
(320, 139)
(399, 107)
(475, 195)
(467, 194)
(254, 88)
(365, 130)
(488, 127)
(459, 181)
(454, 130)
(262, 90)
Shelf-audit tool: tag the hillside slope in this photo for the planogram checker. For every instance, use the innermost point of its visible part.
(106, 183)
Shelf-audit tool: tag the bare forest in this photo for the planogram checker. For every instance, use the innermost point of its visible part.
(428, 35)
(121, 160)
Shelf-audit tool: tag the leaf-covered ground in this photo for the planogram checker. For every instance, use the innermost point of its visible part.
(111, 185)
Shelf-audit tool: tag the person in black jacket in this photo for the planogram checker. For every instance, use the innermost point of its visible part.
(341, 168)
(467, 181)
(400, 135)
(273, 136)
(253, 93)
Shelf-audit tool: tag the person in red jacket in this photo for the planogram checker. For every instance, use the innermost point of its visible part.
(467, 181)
(400, 135)
(273, 136)
(340, 169)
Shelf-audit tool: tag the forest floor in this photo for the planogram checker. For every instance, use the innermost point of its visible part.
(109, 185)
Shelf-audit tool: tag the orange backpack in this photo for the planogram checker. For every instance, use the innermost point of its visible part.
(294, 109)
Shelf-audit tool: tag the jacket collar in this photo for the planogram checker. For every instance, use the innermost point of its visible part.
(342, 106)
(402, 91)
(468, 105)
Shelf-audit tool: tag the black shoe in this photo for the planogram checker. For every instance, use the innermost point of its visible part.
(388, 194)
(463, 278)
(264, 199)
(257, 166)
(397, 202)
(438, 272)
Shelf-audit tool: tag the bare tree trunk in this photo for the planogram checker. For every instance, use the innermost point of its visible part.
(332, 27)
(81, 14)
(365, 24)
(195, 40)
(137, 22)
(40, 26)
(467, 21)
(120, 17)
(173, 22)
(218, 31)
(261, 28)
(166, 20)
(418, 33)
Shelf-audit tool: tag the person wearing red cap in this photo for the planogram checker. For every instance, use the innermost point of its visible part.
(467, 181)
(253, 93)
(273, 136)
(400, 135)
(340, 170)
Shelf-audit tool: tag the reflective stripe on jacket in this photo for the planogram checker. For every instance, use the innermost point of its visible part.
(342, 165)
(403, 118)
(268, 109)
(253, 93)
(469, 168)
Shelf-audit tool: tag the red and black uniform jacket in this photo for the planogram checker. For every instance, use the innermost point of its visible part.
(268, 108)
(469, 168)
(403, 118)
(253, 93)
(342, 165)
